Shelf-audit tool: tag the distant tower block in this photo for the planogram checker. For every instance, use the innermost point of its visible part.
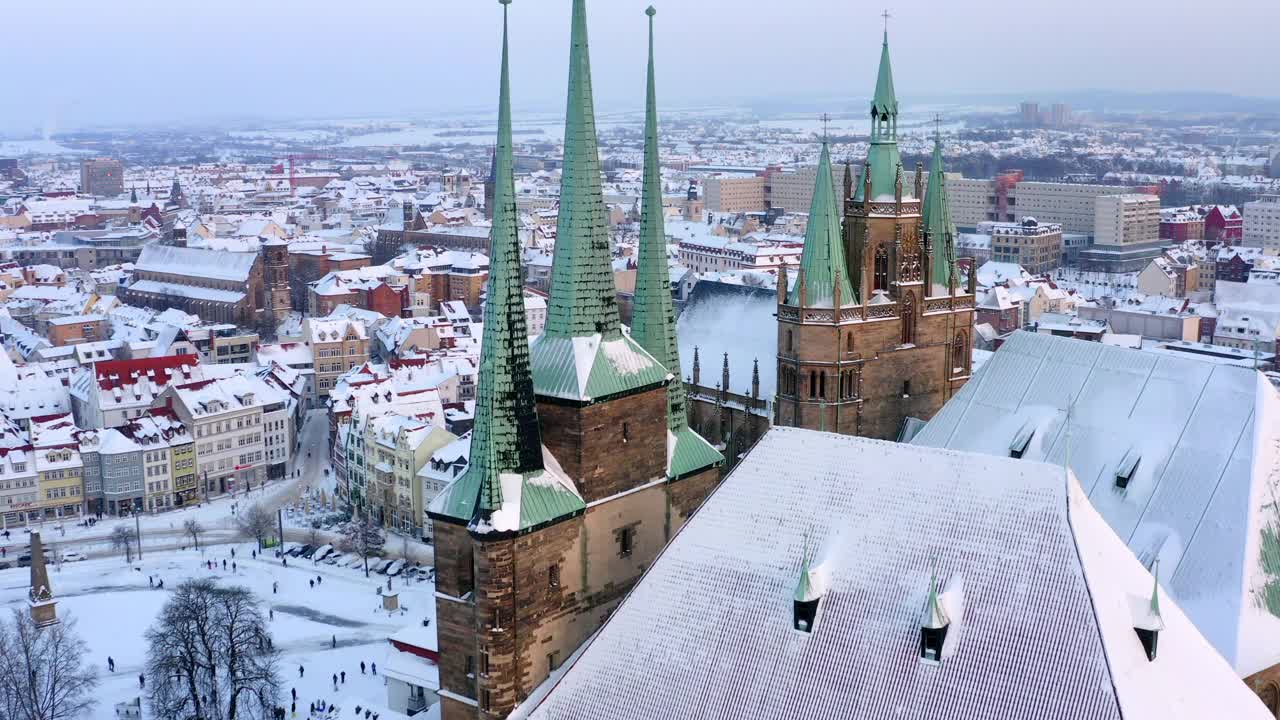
(43, 612)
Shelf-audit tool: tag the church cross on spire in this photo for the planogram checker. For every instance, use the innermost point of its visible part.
(886, 17)
(826, 125)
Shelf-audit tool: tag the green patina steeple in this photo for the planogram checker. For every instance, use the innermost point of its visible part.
(822, 262)
(885, 101)
(583, 354)
(940, 229)
(583, 298)
(495, 492)
(653, 319)
(883, 159)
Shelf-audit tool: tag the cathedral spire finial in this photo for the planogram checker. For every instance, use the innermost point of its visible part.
(938, 226)
(823, 255)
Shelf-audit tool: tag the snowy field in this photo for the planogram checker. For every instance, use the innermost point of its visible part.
(113, 606)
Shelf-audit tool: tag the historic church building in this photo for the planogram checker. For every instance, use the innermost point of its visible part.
(875, 329)
(582, 462)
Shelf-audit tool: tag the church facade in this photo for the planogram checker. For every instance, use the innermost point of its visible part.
(876, 328)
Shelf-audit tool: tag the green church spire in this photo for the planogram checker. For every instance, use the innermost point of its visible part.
(583, 298)
(885, 101)
(822, 262)
(883, 160)
(583, 355)
(653, 319)
(506, 443)
(938, 226)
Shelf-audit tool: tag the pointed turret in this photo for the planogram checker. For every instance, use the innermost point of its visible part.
(506, 486)
(883, 160)
(933, 617)
(822, 262)
(885, 101)
(938, 227)
(653, 318)
(583, 355)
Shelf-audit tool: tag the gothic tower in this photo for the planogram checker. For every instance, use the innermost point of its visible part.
(275, 266)
(570, 492)
(891, 338)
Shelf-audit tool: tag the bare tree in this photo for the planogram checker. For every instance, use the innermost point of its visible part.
(362, 537)
(193, 528)
(41, 672)
(122, 538)
(210, 656)
(257, 522)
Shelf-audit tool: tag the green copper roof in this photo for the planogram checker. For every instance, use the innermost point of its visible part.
(937, 220)
(823, 257)
(883, 160)
(885, 101)
(653, 318)
(505, 470)
(583, 354)
(583, 298)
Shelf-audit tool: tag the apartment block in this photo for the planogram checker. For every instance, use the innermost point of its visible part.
(1008, 197)
(734, 193)
(1126, 219)
(1034, 245)
(103, 177)
(1262, 222)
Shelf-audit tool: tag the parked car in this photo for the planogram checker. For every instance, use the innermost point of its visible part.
(321, 553)
(395, 567)
(335, 559)
(24, 560)
(73, 556)
(355, 562)
(308, 551)
(382, 566)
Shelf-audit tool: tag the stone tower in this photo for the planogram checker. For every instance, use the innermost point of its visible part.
(883, 334)
(570, 493)
(275, 266)
(40, 598)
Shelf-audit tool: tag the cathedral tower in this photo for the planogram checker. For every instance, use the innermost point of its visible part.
(570, 492)
(897, 345)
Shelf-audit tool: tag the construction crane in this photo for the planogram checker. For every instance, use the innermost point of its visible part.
(293, 170)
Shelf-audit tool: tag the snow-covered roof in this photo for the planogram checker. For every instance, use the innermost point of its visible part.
(1038, 592)
(1198, 465)
(214, 264)
(155, 287)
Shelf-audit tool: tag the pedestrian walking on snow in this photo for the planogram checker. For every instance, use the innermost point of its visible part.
(374, 667)
(233, 552)
(111, 663)
(319, 580)
(275, 586)
(361, 667)
(333, 643)
(233, 567)
(335, 682)
(271, 613)
(142, 680)
(295, 693)
(312, 583)
(344, 677)
(151, 581)
(224, 563)
(301, 671)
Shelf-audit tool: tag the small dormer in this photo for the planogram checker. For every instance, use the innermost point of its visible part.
(934, 623)
(1147, 622)
(1021, 440)
(1127, 467)
(808, 595)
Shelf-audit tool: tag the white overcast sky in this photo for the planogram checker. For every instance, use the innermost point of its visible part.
(92, 62)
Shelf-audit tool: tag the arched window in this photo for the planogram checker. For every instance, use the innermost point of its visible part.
(813, 384)
(881, 269)
(822, 385)
(958, 352)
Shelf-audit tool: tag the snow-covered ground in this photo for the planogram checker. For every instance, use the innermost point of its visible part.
(113, 606)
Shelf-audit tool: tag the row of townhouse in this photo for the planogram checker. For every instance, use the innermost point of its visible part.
(198, 439)
(385, 454)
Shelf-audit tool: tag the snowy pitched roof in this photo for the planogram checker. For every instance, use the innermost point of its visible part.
(1037, 590)
(1184, 435)
(213, 264)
